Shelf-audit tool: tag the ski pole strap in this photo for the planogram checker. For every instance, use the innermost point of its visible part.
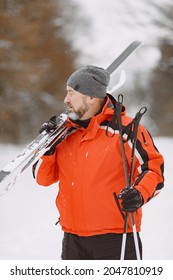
(118, 205)
(137, 121)
(131, 129)
(124, 216)
(134, 135)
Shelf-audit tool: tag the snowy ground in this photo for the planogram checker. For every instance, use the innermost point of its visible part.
(28, 215)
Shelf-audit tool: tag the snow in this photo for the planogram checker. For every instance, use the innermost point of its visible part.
(28, 215)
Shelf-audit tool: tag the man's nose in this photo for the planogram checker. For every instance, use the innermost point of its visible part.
(67, 98)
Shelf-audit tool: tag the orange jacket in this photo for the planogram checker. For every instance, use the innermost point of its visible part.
(88, 166)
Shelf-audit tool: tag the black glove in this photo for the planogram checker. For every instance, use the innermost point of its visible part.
(49, 125)
(131, 199)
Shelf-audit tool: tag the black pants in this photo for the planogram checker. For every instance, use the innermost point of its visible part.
(98, 247)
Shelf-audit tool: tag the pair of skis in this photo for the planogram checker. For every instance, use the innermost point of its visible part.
(31, 153)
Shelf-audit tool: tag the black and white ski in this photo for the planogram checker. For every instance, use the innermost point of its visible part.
(45, 140)
(31, 153)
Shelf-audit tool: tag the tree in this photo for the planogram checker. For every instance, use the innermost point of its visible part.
(35, 61)
(161, 87)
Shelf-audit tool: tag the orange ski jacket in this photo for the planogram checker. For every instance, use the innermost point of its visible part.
(88, 167)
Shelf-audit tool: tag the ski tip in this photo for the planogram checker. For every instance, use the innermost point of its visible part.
(137, 43)
(120, 59)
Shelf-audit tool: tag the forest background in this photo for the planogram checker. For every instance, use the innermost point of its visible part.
(43, 42)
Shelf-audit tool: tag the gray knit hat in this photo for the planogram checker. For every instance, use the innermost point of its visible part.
(90, 80)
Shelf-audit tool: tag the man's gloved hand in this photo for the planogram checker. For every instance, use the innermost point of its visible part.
(131, 199)
(49, 125)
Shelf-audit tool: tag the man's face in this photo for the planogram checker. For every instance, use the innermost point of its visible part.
(77, 104)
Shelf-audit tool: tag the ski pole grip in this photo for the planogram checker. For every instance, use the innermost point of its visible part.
(143, 110)
(120, 98)
(139, 114)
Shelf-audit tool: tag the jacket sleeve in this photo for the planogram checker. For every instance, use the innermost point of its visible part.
(45, 171)
(148, 165)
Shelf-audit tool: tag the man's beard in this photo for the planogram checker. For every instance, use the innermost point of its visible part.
(74, 116)
(77, 115)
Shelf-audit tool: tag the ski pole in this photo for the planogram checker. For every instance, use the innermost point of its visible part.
(134, 140)
(127, 178)
(118, 113)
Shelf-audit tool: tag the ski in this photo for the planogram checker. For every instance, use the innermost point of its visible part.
(115, 85)
(120, 59)
(45, 140)
(31, 153)
(116, 63)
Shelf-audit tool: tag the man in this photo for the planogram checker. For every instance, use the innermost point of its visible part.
(88, 167)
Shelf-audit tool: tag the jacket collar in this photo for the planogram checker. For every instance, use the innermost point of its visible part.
(106, 112)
